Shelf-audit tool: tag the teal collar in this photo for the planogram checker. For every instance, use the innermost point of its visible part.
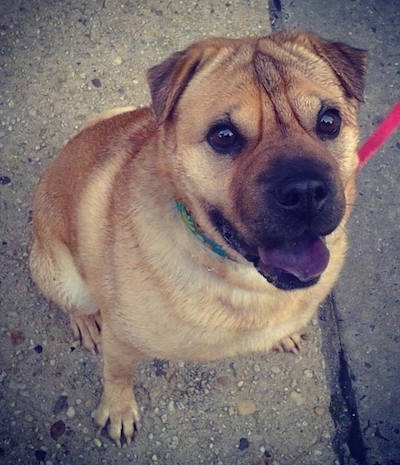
(190, 223)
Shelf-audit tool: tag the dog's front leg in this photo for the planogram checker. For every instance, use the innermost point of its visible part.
(118, 404)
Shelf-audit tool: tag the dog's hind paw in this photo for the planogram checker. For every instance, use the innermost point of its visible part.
(86, 329)
(291, 343)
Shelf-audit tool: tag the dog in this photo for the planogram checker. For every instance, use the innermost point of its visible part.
(211, 223)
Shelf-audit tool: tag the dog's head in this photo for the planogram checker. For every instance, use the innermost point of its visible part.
(260, 138)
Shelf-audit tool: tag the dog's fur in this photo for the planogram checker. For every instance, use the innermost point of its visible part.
(111, 248)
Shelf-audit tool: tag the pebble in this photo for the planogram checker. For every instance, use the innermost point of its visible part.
(267, 454)
(319, 411)
(71, 412)
(308, 373)
(275, 369)
(4, 180)
(57, 429)
(96, 82)
(243, 444)
(245, 407)
(97, 442)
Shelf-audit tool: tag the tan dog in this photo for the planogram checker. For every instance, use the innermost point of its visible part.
(212, 223)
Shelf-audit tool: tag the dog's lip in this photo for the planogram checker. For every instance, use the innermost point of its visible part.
(287, 263)
(305, 257)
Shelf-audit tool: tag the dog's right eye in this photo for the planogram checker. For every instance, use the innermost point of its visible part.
(224, 138)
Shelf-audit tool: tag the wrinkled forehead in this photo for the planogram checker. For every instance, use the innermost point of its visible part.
(258, 74)
(286, 65)
(268, 64)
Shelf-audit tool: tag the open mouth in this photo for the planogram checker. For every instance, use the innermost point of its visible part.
(287, 263)
(293, 264)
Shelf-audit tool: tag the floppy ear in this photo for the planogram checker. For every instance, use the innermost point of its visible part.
(348, 63)
(168, 80)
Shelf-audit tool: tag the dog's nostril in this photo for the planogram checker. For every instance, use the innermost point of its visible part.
(302, 194)
(320, 193)
(289, 196)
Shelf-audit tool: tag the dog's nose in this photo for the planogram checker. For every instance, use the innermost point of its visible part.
(299, 194)
(304, 196)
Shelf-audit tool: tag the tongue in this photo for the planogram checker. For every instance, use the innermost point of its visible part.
(305, 258)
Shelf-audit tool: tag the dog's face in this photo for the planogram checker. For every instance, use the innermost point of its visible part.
(261, 142)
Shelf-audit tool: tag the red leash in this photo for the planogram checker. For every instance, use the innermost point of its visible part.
(379, 136)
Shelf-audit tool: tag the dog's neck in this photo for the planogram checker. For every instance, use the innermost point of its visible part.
(191, 224)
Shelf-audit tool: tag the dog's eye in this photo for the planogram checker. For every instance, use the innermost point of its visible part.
(328, 123)
(225, 139)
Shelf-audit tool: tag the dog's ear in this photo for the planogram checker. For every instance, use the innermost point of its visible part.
(348, 63)
(168, 80)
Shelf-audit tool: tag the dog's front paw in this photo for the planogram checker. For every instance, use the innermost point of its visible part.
(119, 409)
(291, 343)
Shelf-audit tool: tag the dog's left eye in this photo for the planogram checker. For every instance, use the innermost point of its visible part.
(328, 123)
(225, 139)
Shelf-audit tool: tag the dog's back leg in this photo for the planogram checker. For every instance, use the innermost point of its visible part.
(54, 271)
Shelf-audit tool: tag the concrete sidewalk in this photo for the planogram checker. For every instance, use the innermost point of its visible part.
(62, 62)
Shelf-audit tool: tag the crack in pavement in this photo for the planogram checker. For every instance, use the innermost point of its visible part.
(348, 442)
